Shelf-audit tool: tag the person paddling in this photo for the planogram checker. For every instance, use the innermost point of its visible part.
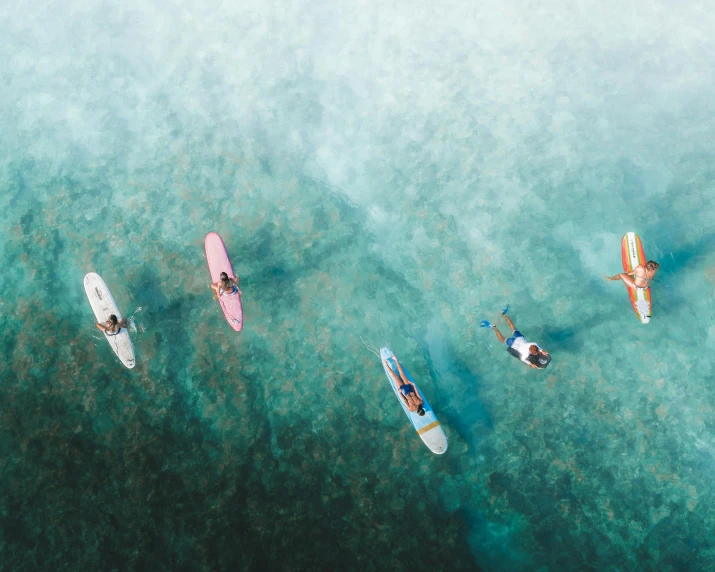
(530, 353)
(225, 286)
(640, 278)
(112, 326)
(406, 389)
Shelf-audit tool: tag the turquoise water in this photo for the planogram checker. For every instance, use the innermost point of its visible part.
(381, 174)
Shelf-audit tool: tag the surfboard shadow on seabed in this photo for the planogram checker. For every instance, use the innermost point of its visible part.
(569, 338)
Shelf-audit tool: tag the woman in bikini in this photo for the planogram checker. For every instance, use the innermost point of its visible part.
(225, 286)
(112, 326)
(640, 278)
(406, 389)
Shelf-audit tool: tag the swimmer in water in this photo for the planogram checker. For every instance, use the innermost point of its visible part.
(528, 352)
(640, 278)
(406, 389)
(112, 326)
(225, 286)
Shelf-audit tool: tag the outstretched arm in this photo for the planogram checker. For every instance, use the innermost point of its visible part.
(417, 392)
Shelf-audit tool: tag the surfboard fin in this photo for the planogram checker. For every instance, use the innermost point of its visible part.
(505, 310)
(486, 324)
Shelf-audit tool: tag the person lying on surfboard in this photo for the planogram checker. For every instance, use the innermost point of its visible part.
(226, 286)
(406, 389)
(531, 354)
(112, 326)
(640, 278)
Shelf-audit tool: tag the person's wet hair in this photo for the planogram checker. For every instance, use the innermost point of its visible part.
(225, 282)
(420, 411)
(652, 265)
(113, 319)
(533, 350)
(224, 276)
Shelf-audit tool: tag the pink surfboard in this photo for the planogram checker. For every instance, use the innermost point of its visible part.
(219, 261)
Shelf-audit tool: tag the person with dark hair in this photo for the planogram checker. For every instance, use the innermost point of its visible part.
(640, 278)
(225, 286)
(406, 389)
(112, 326)
(531, 354)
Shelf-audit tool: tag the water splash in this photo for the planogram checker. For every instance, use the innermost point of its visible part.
(135, 327)
(372, 349)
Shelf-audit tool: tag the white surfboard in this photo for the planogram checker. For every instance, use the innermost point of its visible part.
(103, 305)
(427, 426)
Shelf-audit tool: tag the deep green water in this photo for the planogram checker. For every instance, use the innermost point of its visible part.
(386, 173)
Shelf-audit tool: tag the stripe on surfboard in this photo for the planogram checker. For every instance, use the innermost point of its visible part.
(428, 427)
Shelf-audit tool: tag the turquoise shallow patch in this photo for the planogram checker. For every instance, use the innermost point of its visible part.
(379, 173)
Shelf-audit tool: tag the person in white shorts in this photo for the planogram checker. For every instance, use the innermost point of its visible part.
(531, 354)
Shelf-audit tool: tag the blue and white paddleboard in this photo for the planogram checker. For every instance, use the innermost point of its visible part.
(427, 425)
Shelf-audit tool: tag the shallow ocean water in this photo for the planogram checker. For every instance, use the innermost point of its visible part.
(382, 174)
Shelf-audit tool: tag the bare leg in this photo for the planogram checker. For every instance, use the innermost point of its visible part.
(509, 322)
(498, 333)
(627, 278)
(402, 373)
(398, 383)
